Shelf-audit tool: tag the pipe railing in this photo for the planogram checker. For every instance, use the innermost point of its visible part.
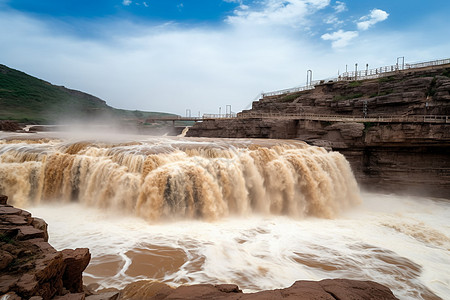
(314, 117)
(382, 119)
(361, 75)
(219, 116)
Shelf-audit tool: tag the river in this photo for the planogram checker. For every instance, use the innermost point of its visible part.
(258, 213)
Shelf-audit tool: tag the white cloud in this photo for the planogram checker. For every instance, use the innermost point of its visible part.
(126, 2)
(278, 12)
(145, 4)
(334, 21)
(375, 16)
(340, 7)
(340, 38)
(170, 68)
(158, 69)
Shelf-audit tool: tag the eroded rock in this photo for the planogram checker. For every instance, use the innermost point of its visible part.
(75, 261)
(30, 266)
(329, 289)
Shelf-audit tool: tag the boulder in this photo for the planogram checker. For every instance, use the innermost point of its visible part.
(75, 261)
(145, 289)
(3, 199)
(104, 296)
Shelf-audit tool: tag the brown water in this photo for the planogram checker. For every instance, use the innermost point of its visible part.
(180, 178)
(261, 214)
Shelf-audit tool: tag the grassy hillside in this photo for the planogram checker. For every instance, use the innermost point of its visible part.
(25, 98)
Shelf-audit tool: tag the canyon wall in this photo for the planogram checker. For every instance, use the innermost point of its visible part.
(401, 155)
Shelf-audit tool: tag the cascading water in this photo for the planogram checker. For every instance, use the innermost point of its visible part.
(282, 210)
(176, 178)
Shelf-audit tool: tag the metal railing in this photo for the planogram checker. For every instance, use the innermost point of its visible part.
(314, 117)
(361, 75)
(340, 118)
(291, 90)
(428, 63)
(219, 116)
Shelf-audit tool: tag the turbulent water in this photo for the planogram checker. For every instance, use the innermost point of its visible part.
(180, 178)
(260, 214)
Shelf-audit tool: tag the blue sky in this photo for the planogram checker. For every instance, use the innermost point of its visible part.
(173, 55)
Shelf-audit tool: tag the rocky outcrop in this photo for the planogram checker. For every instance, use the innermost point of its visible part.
(411, 157)
(412, 92)
(30, 266)
(9, 126)
(331, 289)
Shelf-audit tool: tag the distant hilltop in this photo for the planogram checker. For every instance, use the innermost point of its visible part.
(27, 99)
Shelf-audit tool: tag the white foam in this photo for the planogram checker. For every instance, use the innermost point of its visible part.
(398, 241)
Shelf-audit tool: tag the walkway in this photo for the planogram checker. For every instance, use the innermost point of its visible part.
(358, 119)
(330, 118)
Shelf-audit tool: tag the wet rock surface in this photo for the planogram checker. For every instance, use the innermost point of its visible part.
(30, 266)
(329, 289)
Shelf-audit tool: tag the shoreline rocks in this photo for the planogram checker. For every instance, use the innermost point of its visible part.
(328, 289)
(9, 126)
(30, 268)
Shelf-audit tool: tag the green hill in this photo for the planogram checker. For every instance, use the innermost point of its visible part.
(25, 98)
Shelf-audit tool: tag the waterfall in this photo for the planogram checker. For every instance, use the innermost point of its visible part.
(180, 177)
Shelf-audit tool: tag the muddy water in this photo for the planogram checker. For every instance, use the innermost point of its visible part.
(173, 178)
(258, 213)
(400, 242)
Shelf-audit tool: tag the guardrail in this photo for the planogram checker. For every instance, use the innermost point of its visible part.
(287, 91)
(219, 116)
(204, 117)
(361, 75)
(428, 64)
(313, 117)
(359, 119)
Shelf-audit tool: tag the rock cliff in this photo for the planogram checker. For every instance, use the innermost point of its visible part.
(402, 155)
(29, 266)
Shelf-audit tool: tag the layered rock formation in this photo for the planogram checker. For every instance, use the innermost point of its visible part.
(30, 267)
(400, 155)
